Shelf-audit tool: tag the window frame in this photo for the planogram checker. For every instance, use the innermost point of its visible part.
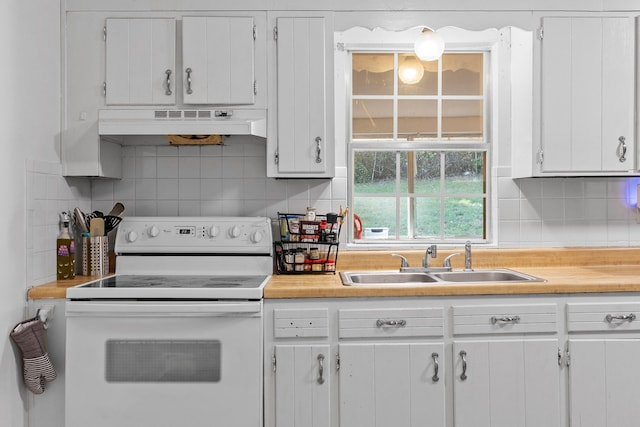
(488, 145)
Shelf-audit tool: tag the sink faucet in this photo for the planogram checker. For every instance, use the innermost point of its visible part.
(431, 252)
(467, 256)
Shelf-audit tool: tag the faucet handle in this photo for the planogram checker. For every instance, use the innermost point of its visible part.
(404, 263)
(447, 261)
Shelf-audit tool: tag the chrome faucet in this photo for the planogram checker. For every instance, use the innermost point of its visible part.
(467, 256)
(431, 252)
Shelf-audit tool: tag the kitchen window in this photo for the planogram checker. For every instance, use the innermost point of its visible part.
(419, 143)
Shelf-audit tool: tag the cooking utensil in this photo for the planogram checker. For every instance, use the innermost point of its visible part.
(116, 210)
(92, 215)
(81, 220)
(96, 227)
(111, 222)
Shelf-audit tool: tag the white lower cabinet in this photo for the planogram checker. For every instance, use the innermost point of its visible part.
(392, 384)
(506, 383)
(302, 384)
(484, 361)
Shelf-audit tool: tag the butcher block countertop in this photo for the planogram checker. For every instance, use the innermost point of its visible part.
(566, 270)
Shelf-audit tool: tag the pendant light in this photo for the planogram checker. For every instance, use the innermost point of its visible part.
(429, 45)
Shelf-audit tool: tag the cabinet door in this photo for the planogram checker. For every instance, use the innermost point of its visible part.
(218, 60)
(510, 383)
(301, 93)
(302, 386)
(392, 385)
(587, 94)
(140, 65)
(603, 382)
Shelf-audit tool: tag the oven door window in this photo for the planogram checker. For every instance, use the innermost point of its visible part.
(161, 361)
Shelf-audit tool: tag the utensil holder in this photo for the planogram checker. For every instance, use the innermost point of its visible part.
(95, 256)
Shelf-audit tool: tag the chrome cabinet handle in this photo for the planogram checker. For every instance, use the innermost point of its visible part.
(318, 149)
(436, 367)
(622, 317)
(397, 323)
(189, 71)
(505, 319)
(321, 369)
(168, 83)
(621, 151)
(463, 356)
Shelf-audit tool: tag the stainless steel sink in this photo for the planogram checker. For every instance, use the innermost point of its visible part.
(390, 278)
(493, 276)
(366, 278)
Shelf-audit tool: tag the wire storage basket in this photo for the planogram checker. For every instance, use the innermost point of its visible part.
(307, 246)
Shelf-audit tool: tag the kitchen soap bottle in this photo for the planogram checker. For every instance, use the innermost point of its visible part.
(65, 250)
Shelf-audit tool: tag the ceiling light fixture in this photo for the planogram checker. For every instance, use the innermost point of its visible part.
(410, 70)
(429, 45)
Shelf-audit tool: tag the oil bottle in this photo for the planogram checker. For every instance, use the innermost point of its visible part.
(65, 250)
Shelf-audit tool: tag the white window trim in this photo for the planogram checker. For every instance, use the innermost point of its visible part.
(456, 39)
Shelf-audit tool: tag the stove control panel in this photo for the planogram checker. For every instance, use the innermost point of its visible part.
(178, 235)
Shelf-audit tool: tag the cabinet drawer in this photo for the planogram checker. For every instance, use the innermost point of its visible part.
(584, 317)
(505, 319)
(379, 323)
(290, 323)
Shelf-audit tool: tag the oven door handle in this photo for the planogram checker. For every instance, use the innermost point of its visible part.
(165, 309)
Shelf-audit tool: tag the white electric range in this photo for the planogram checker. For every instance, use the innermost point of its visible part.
(175, 336)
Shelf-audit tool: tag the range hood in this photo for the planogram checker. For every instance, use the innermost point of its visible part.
(183, 122)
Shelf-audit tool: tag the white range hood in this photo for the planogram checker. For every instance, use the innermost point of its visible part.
(183, 122)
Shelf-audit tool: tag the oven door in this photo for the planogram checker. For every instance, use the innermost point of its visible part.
(132, 364)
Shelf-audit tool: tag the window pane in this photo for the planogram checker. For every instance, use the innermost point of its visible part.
(463, 218)
(374, 172)
(462, 119)
(417, 119)
(376, 213)
(372, 74)
(462, 74)
(372, 119)
(427, 217)
(427, 172)
(464, 172)
(425, 73)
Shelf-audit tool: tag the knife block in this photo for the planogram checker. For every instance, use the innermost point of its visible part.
(95, 256)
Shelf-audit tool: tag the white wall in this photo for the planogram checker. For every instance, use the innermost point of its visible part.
(29, 129)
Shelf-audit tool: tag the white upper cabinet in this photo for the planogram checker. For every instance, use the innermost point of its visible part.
(587, 96)
(141, 61)
(218, 60)
(301, 139)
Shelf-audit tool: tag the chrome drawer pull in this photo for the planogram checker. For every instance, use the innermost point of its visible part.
(505, 319)
(463, 356)
(321, 369)
(397, 323)
(622, 317)
(436, 367)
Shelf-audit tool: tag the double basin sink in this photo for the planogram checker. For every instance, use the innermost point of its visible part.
(417, 278)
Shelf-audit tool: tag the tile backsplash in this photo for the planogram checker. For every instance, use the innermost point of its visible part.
(216, 180)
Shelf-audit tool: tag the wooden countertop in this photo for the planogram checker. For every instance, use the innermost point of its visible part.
(566, 270)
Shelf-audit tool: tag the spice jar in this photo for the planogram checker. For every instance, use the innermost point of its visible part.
(311, 214)
(314, 254)
(299, 260)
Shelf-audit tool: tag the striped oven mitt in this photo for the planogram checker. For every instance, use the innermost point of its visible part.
(31, 338)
